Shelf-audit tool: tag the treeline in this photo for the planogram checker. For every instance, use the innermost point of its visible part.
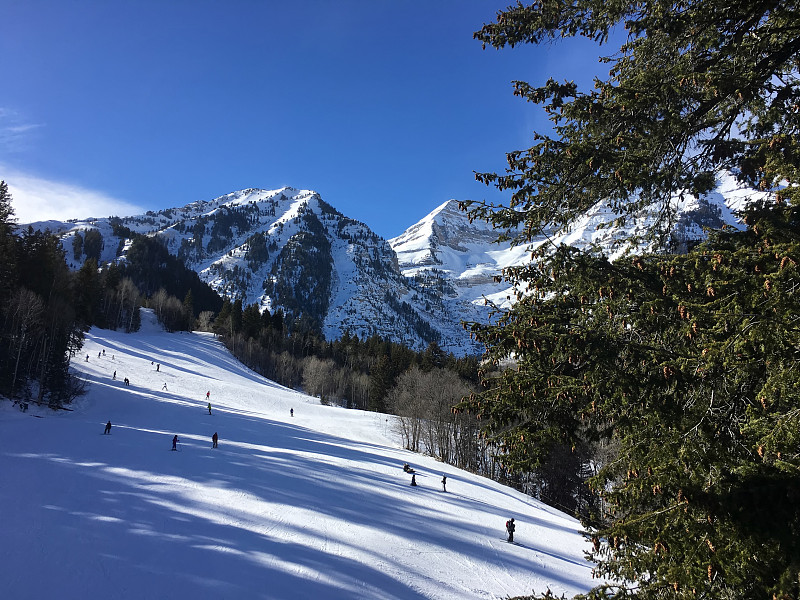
(374, 374)
(45, 308)
(420, 388)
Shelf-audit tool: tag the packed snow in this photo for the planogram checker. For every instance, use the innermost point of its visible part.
(310, 505)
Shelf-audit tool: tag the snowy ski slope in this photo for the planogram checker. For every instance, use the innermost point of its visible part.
(311, 506)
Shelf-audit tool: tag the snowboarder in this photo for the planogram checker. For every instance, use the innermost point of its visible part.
(209, 408)
(444, 483)
(214, 439)
(413, 479)
(107, 429)
(114, 376)
(175, 441)
(164, 387)
(510, 527)
(291, 412)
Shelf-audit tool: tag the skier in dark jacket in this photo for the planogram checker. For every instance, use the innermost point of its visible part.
(510, 527)
(214, 439)
(107, 429)
(175, 441)
(444, 483)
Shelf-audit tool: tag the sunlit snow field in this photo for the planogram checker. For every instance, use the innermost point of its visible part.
(311, 506)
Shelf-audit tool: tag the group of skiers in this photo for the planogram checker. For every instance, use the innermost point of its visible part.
(407, 468)
(510, 525)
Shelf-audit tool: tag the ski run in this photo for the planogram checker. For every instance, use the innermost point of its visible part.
(310, 505)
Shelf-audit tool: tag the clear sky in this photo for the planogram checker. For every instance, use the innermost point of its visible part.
(384, 107)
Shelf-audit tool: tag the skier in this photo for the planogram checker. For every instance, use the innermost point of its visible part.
(104, 351)
(510, 527)
(164, 387)
(444, 483)
(114, 376)
(98, 355)
(291, 412)
(175, 441)
(158, 368)
(214, 439)
(208, 395)
(209, 408)
(413, 479)
(107, 429)
(87, 358)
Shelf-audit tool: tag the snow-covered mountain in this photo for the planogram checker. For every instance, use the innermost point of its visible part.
(446, 245)
(289, 249)
(309, 505)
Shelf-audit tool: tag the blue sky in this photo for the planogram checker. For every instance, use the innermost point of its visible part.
(383, 107)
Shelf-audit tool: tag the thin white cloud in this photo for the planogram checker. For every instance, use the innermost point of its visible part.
(16, 132)
(37, 199)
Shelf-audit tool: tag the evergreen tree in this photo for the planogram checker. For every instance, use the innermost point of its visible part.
(87, 292)
(251, 321)
(698, 86)
(381, 380)
(93, 244)
(8, 250)
(188, 309)
(685, 364)
(236, 316)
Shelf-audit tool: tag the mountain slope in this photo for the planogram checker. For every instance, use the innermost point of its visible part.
(289, 249)
(314, 505)
(464, 255)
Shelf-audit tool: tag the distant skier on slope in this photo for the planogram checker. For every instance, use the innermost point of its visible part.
(291, 412)
(107, 430)
(510, 527)
(175, 441)
(208, 395)
(209, 408)
(164, 388)
(444, 483)
(214, 439)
